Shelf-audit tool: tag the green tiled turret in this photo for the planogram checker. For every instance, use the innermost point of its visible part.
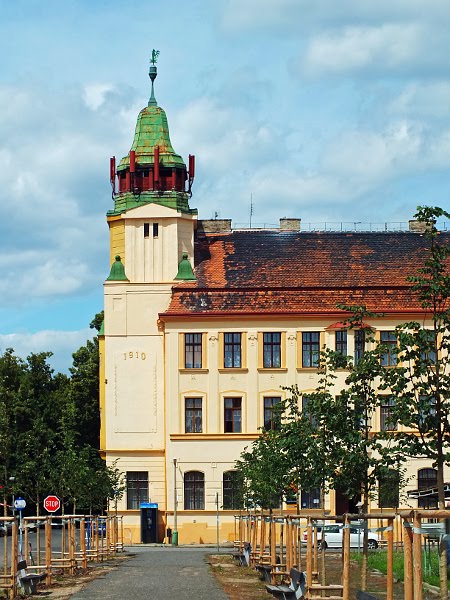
(117, 271)
(185, 271)
(152, 130)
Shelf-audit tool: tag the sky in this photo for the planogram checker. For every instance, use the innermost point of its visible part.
(323, 110)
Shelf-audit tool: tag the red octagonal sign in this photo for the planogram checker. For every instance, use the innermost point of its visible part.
(52, 504)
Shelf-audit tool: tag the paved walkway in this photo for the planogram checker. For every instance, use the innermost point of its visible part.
(157, 573)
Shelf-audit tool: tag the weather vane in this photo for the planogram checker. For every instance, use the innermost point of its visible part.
(154, 58)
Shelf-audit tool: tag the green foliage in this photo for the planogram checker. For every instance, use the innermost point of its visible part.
(49, 427)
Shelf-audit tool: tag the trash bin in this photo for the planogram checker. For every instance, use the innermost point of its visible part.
(174, 538)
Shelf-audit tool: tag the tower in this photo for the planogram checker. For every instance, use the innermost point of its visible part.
(151, 233)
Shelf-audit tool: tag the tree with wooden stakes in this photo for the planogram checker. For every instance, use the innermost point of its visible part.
(420, 381)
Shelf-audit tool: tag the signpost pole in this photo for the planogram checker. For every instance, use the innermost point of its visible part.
(20, 504)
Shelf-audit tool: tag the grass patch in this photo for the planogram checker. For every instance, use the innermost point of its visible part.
(378, 561)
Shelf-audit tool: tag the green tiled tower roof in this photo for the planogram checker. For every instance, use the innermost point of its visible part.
(152, 130)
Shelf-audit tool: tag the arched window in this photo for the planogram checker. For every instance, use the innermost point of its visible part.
(427, 479)
(194, 490)
(232, 490)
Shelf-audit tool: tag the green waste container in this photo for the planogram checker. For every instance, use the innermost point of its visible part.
(174, 538)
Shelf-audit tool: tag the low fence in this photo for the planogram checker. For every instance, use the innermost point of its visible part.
(55, 545)
(276, 543)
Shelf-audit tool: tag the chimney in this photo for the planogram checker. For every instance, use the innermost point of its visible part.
(418, 226)
(214, 226)
(290, 224)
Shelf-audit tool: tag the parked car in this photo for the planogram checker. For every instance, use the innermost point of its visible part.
(333, 537)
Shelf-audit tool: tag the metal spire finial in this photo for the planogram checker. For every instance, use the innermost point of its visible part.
(152, 73)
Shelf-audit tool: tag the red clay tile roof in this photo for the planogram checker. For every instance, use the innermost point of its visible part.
(300, 273)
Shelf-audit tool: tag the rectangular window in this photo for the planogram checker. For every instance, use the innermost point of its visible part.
(310, 498)
(137, 489)
(271, 417)
(232, 348)
(232, 490)
(387, 421)
(306, 400)
(429, 356)
(193, 415)
(192, 350)
(341, 342)
(389, 489)
(426, 413)
(272, 350)
(233, 415)
(310, 349)
(155, 230)
(146, 230)
(360, 344)
(389, 341)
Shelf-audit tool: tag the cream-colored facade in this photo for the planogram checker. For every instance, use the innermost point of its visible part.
(146, 385)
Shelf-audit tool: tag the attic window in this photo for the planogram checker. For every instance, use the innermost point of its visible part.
(155, 230)
(146, 230)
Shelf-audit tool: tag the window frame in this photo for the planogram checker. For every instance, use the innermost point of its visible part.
(341, 346)
(310, 349)
(231, 496)
(272, 350)
(134, 500)
(310, 496)
(233, 350)
(193, 418)
(192, 349)
(233, 410)
(274, 423)
(194, 490)
(386, 405)
(359, 345)
(388, 489)
(387, 358)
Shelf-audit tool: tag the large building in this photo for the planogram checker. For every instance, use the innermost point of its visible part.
(205, 324)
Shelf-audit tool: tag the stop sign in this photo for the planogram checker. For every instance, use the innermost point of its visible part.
(52, 504)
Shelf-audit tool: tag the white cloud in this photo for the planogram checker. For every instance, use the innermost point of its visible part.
(425, 100)
(357, 48)
(62, 343)
(95, 94)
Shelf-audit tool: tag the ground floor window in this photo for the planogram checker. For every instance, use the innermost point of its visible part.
(310, 498)
(232, 490)
(137, 489)
(389, 489)
(194, 490)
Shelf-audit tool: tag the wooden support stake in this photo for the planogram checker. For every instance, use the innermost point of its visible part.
(48, 550)
(346, 558)
(83, 542)
(417, 557)
(309, 553)
(390, 560)
(407, 552)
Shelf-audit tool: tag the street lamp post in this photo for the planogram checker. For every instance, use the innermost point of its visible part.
(175, 503)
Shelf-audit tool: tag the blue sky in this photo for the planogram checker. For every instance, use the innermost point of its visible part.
(328, 111)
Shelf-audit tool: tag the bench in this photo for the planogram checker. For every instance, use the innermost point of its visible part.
(28, 581)
(264, 571)
(293, 591)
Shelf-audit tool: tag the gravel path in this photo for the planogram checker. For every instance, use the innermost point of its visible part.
(157, 573)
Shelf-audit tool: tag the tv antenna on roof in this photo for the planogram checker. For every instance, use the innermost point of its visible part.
(251, 209)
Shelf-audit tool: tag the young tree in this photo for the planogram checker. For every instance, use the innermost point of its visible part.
(421, 379)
